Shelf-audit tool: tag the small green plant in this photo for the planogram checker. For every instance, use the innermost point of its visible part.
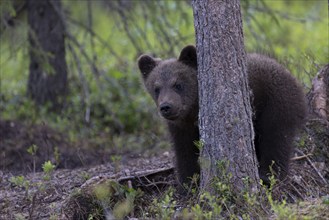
(57, 155)
(165, 207)
(199, 144)
(280, 208)
(116, 161)
(91, 217)
(211, 207)
(122, 208)
(19, 181)
(48, 168)
(85, 175)
(223, 200)
(32, 150)
(117, 198)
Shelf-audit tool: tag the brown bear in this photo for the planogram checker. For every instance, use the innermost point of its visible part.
(277, 101)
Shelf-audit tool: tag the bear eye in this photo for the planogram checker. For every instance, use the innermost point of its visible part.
(178, 87)
(157, 91)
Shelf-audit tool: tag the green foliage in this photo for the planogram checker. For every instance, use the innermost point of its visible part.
(206, 212)
(116, 159)
(164, 208)
(112, 200)
(293, 31)
(6, 7)
(199, 144)
(19, 181)
(326, 200)
(106, 96)
(48, 168)
(224, 203)
(57, 155)
(32, 149)
(280, 208)
(85, 175)
(120, 199)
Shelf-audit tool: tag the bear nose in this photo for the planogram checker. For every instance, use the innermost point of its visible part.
(165, 109)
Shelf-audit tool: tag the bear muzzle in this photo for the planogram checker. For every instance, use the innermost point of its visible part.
(168, 111)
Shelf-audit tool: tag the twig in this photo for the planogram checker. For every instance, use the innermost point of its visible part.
(296, 190)
(316, 170)
(284, 15)
(126, 28)
(103, 42)
(142, 33)
(300, 157)
(150, 183)
(313, 166)
(31, 210)
(84, 54)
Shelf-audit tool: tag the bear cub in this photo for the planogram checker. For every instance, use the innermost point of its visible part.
(277, 100)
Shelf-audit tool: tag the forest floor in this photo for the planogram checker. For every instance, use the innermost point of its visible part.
(27, 192)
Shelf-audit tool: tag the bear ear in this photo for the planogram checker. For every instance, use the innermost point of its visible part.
(188, 56)
(146, 64)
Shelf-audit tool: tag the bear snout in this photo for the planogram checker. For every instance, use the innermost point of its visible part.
(167, 111)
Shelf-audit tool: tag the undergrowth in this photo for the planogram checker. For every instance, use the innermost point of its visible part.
(121, 202)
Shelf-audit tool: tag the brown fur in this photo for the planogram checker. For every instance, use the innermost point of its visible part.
(278, 105)
(279, 111)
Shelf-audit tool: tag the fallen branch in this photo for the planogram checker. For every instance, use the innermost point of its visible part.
(300, 157)
(138, 177)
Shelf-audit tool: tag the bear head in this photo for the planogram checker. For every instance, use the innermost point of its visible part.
(172, 84)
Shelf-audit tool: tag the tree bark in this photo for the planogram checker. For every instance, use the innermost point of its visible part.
(225, 117)
(318, 96)
(48, 71)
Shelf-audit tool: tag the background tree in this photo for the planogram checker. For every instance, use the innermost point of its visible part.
(48, 71)
(225, 113)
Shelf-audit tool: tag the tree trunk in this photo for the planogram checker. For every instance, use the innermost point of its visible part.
(48, 71)
(318, 96)
(225, 120)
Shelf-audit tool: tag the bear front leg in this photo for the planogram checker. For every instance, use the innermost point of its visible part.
(187, 154)
(187, 163)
